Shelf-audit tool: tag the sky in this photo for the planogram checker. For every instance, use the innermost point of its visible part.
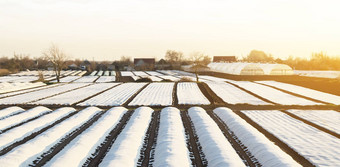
(109, 29)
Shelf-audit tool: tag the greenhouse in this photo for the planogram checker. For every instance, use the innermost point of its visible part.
(241, 68)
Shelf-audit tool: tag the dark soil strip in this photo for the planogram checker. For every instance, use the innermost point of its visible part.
(294, 94)
(196, 153)
(149, 141)
(174, 95)
(266, 100)
(134, 95)
(46, 156)
(23, 122)
(296, 156)
(102, 150)
(208, 93)
(59, 93)
(241, 150)
(96, 79)
(33, 135)
(312, 124)
(95, 94)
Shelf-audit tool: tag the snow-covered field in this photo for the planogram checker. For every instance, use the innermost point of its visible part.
(154, 73)
(171, 147)
(7, 112)
(125, 150)
(40, 94)
(216, 148)
(126, 73)
(169, 77)
(328, 119)
(265, 151)
(87, 79)
(319, 74)
(28, 90)
(8, 87)
(155, 78)
(18, 78)
(212, 78)
(314, 94)
(25, 154)
(81, 148)
(190, 93)
(115, 96)
(233, 95)
(140, 73)
(155, 94)
(77, 95)
(67, 79)
(274, 95)
(320, 148)
(106, 79)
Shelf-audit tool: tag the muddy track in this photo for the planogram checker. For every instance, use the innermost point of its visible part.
(134, 95)
(48, 155)
(102, 150)
(297, 157)
(312, 124)
(249, 92)
(241, 150)
(212, 97)
(33, 135)
(150, 141)
(294, 94)
(96, 94)
(196, 153)
(23, 122)
(174, 95)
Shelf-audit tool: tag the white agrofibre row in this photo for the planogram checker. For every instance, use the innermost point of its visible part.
(171, 144)
(320, 148)
(154, 94)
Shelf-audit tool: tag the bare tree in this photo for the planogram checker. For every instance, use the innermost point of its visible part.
(199, 60)
(58, 59)
(173, 56)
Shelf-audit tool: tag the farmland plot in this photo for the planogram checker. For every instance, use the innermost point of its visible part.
(154, 73)
(106, 79)
(171, 148)
(100, 73)
(140, 73)
(154, 78)
(80, 149)
(125, 151)
(216, 148)
(8, 87)
(233, 95)
(169, 77)
(25, 79)
(82, 73)
(40, 94)
(87, 79)
(265, 151)
(67, 79)
(154, 94)
(113, 73)
(93, 73)
(190, 93)
(328, 119)
(115, 96)
(76, 95)
(274, 95)
(22, 117)
(23, 131)
(314, 94)
(7, 112)
(211, 78)
(126, 73)
(25, 154)
(318, 147)
(28, 90)
(106, 73)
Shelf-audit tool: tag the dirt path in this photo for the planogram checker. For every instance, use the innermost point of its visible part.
(297, 157)
(102, 150)
(150, 141)
(48, 155)
(196, 154)
(241, 150)
(33, 135)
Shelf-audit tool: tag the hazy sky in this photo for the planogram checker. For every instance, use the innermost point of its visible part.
(108, 29)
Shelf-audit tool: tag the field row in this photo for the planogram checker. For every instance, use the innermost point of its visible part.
(165, 94)
(169, 137)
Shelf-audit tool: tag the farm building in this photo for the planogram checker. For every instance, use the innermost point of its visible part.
(144, 63)
(239, 68)
(224, 59)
